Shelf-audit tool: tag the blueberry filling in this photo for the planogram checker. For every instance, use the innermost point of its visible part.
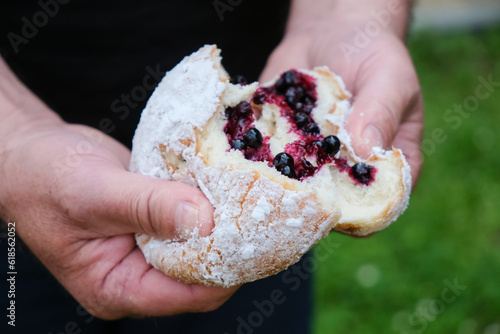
(259, 97)
(285, 81)
(295, 95)
(317, 143)
(242, 136)
(244, 109)
(304, 168)
(302, 120)
(362, 173)
(312, 128)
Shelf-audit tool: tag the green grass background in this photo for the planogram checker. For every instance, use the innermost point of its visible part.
(451, 229)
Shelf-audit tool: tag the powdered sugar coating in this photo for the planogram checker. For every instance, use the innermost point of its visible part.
(184, 100)
(262, 210)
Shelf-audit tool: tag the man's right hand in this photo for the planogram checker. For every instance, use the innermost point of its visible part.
(76, 207)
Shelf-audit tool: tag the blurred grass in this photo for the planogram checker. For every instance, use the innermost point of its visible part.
(451, 229)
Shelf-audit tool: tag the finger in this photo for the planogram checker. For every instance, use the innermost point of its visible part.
(132, 287)
(409, 139)
(286, 57)
(171, 296)
(124, 202)
(382, 99)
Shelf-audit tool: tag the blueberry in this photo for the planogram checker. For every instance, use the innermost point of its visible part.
(297, 106)
(238, 144)
(307, 108)
(282, 159)
(244, 108)
(308, 100)
(362, 172)
(294, 94)
(253, 138)
(286, 80)
(331, 145)
(288, 171)
(299, 93)
(290, 94)
(283, 162)
(239, 79)
(302, 120)
(259, 97)
(289, 78)
(228, 112)
(280, 85)
(318, 143)
(291, 103)
(312, 128)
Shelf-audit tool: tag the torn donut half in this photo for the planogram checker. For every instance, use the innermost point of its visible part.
(274, 160)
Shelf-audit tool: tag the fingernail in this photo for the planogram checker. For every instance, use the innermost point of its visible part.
(186, 219)
(373, 136)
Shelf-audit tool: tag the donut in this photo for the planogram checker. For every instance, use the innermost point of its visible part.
(274, 160)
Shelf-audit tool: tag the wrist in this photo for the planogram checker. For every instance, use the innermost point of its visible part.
(344, 17)
(21, 111)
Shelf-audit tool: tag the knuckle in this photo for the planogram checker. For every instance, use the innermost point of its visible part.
(106, 301)
(142, 208)
(389, 116)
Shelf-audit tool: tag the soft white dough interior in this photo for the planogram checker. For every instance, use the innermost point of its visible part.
(278, 128)
(357, 202)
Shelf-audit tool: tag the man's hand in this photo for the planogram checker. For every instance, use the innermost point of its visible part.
(387, 107)
(76, 207)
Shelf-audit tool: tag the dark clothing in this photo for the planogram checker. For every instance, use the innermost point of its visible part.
(96, 62)
(275, 305)
(92, 54)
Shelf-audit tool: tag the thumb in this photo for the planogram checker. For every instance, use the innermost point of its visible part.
(381, 103)
(122, 202)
